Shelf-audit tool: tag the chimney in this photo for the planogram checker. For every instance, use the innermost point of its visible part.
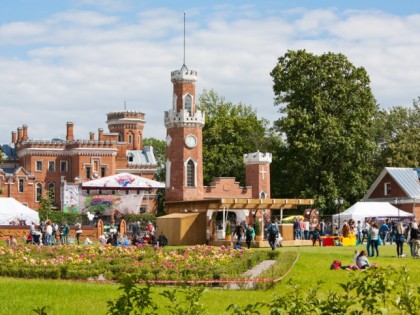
(25, 132)
(70, 135)
(20, 133)
(14, 136)
(100, 134)
(91, 135)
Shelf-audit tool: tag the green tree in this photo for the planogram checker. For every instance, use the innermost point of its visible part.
(230, 131)
(399, 136)
(327, 118)
(1, 155)
(159, 150)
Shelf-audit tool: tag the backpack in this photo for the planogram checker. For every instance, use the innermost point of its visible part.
(274, 230)
(248, 233)
(336, 265)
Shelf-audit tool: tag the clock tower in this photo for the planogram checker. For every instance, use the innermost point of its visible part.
(184, 148)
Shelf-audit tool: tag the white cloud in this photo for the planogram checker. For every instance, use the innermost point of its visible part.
(80, 65)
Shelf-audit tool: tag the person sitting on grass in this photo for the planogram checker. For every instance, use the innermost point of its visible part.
(363, 262)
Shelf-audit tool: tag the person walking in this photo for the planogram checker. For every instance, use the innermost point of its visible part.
(415, 237)
(239, 232)
(316, 235)
(249, 235)
(399, 239)
(374, 238)
(383, 231)
(358, 231)
(296, 228)
(64, 232)
(272, 231)
(78, 227)
(48, 233)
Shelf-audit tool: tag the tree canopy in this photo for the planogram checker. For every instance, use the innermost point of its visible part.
(399, 136)
(231, 130)
(328, 112)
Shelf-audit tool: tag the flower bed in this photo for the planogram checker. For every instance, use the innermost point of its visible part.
(148, 263)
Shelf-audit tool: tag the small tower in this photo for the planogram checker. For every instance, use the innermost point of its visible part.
(184, 148)
(129, 127)
(258, 173)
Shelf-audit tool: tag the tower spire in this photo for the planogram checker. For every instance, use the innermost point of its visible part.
(184, 40)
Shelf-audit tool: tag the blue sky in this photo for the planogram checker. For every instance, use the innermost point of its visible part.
(78, 60)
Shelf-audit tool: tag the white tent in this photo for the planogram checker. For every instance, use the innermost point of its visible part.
(362, 210)
(122, 181)
(12, 210)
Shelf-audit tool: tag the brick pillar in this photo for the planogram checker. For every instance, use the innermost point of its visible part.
(100, 134)
(20, 133)
(91, 135)
(25, 132)
(14, 136)
(70, 135)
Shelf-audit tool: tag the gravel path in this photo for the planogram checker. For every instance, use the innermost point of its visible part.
(251, 274)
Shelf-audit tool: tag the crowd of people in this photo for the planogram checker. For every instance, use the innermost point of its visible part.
(50, 233)
(306, 230)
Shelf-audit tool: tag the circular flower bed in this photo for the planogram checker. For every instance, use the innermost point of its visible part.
(109, 262)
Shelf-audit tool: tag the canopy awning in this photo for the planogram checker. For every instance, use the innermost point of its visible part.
(236, 204)
(122, 181)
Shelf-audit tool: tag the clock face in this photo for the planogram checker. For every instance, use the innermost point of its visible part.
(190, 141)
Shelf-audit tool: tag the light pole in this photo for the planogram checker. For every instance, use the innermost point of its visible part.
(398, 200)
(338, 202)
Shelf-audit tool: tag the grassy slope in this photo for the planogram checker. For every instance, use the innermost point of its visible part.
(20, 296)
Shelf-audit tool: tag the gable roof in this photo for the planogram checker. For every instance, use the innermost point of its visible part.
(406, 178)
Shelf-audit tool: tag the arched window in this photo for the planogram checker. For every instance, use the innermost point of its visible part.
(120, 137)
(130, 139)
(188, 103)
(38, 194)
(263, 195)
(190, 174)
(51, 191)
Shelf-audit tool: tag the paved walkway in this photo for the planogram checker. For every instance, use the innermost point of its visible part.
(251, 274)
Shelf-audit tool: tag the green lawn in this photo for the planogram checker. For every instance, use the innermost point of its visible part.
(20, 296)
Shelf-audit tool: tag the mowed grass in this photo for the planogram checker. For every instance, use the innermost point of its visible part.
(21, 296)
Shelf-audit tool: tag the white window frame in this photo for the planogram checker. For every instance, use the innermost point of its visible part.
(38, 195)
(51, 163)
(66, 166)
(387, 189)
(189, 97)
(39, 165)
(21, 185)
(194, 174)
(51, 187)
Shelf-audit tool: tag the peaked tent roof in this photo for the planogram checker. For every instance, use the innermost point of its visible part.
(123, 181)
(362, 210)
(11, 209)
(406, 178)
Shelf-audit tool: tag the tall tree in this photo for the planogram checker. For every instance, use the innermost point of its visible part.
(327, 110)
(230, 132)
(159, 150)
(399, 136)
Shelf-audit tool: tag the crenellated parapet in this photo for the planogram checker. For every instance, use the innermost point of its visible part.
(184, 118)
(184, 75)
(257, 158)
(126, 114)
